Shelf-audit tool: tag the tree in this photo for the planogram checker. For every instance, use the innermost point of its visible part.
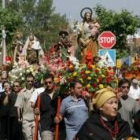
(11, 20)
(121, 24)
(40, 19)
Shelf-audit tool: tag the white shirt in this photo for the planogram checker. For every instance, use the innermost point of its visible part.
(134, 93)
(1, 88)
(36, 93)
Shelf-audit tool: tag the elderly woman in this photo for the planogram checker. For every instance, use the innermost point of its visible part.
(105, 123)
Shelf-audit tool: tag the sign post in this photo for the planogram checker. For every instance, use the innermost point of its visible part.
(107, 40)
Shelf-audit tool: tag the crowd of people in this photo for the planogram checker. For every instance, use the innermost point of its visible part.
(114, 115)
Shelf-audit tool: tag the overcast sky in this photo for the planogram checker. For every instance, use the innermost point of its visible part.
(72, 8)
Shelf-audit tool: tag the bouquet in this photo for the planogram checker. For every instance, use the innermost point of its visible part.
(91, 76)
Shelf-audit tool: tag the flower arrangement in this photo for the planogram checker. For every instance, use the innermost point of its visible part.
(134, 68)
(19, 72)
(133, 71)
(92, 77)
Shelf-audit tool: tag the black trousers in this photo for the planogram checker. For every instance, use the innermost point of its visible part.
(4, 127)
(14, 129)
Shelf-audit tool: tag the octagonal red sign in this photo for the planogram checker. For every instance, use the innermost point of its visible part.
(107, 40)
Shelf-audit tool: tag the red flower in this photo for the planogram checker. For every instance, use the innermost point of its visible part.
(82, 72)
(68, 63)
(96, 71)
(60, 74)
(94, 85)
(100, 79)
(71, 79)
(86, 89)
(110, 68)
(107, 73)
(84, 76)
(89, 66)
(113, 73)
(109, 80)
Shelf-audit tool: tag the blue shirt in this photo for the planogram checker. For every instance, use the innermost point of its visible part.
(75, 113)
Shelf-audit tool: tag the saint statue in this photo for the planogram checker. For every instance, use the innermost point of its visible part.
(17, 46)
(32, 50)
(64, 45)
(87, 38)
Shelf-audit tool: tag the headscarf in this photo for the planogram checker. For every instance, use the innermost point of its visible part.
(102, 96)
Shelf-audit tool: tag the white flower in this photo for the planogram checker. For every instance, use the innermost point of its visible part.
(28, 71)
(15, 64)
(22, 78)
(20, 74)
(75, 61)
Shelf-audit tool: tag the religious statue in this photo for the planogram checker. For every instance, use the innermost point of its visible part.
(32, 50)
(87, 38)
(64, 44)
(17, 46)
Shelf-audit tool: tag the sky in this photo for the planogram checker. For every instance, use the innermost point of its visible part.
(72, 8)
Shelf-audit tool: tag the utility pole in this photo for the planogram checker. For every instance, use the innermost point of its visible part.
(3, 4)
(4, 51)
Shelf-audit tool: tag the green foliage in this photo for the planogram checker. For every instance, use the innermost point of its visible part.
(121, 24)
(30, 17)
(11, 21)
(121, 53)
(42, 21)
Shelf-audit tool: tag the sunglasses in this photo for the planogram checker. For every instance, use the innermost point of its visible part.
(124, 87)
(48, 82)
(3, 78)
(30, 81)
(15, 85)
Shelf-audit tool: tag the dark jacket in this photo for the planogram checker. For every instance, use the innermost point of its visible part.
(47, 111)
(4, 109)
(136, 126)
(93, 129)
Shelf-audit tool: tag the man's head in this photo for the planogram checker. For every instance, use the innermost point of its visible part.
(76, 88)
(135, 83)
(124, 86)
(49, 81)
(29, 80)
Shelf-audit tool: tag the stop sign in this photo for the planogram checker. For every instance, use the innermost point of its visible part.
(107, 40)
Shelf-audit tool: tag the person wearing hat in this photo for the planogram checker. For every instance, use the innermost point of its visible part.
(64, 39)
(105, 123)
(134, 91)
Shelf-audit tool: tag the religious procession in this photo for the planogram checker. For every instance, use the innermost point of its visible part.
(76, 89)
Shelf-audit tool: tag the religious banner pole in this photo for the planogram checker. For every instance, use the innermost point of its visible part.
(37, 120)
(57, 115)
